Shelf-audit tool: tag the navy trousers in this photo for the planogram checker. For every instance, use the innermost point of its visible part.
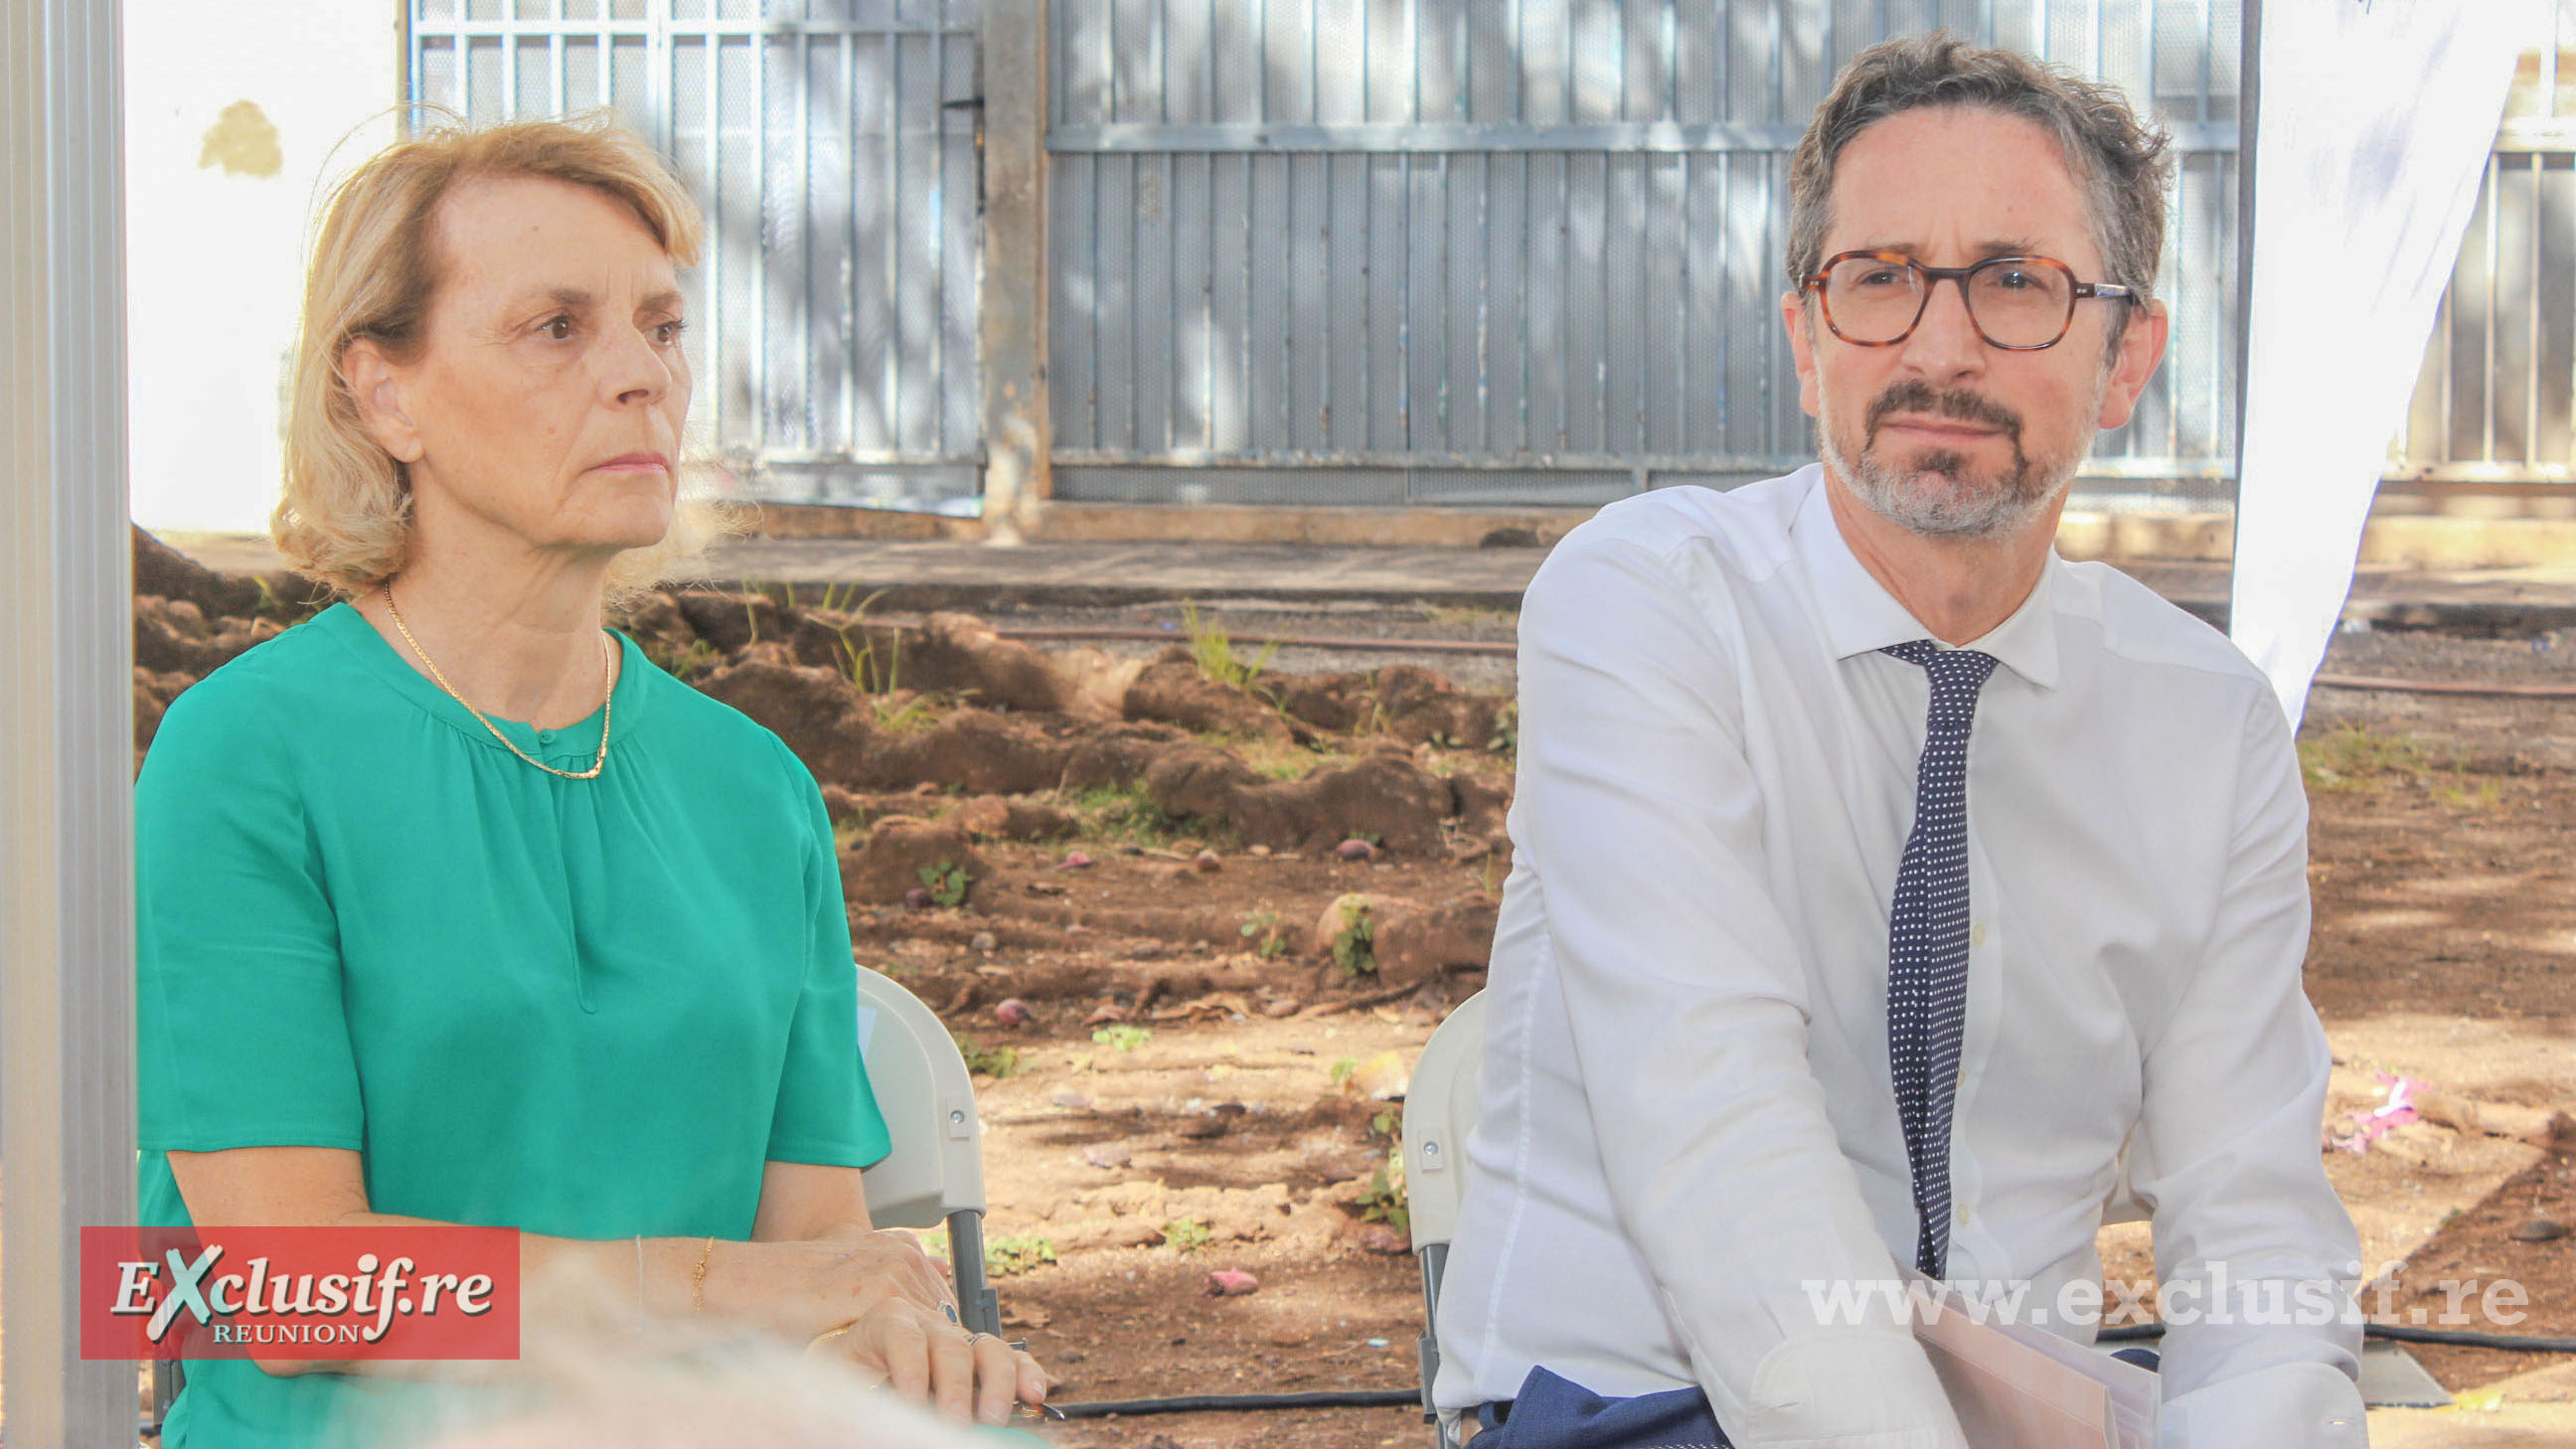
(1558, 1413)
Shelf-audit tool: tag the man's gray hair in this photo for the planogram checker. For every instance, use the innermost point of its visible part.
(2119, 164)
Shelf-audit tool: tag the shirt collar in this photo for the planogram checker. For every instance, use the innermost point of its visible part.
(1861, 616)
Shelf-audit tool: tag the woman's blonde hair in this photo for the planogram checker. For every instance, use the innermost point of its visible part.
(346, 518)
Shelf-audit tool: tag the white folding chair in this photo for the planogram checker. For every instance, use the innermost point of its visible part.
(1439, 1109)
(935, 1175)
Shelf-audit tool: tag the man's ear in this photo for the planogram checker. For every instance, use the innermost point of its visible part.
(376, 386)
(2142, 346)
(1802, 347)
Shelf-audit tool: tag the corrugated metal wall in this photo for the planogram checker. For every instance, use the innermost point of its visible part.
(1379, 251)
(2493, 403)
(832, 143)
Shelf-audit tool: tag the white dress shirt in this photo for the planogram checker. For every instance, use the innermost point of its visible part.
(1687, 1115)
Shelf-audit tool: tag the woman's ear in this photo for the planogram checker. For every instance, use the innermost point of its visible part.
(376, 386)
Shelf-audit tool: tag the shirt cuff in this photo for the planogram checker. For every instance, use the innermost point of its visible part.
(2312, 1405)
(1860, 1388)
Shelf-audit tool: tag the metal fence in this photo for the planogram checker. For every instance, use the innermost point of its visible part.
(1520, 251)
(832, 144)
(2493, 403)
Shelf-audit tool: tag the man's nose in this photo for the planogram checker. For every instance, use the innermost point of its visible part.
(1945, 342)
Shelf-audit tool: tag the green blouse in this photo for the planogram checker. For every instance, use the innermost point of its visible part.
(584, 1008)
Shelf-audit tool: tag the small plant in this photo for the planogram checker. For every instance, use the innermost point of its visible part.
(1269, 939)
(1384, 1202)
(1355, 944)
(1507, 729)
(683, 665)
(1214, 653)
(1344, 1069)
(1122, 1036)
(1006, 1256)
(2352, 757)
(994, 1062)
(947, 882)
(1186, 1235)
(1388, 1123)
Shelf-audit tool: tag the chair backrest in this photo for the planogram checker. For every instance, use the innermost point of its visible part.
(1439, 1110)
(928, 1098)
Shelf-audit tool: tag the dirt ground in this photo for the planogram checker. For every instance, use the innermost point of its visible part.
(1123, 875)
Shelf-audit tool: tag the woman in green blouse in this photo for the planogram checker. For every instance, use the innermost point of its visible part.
(453, 907)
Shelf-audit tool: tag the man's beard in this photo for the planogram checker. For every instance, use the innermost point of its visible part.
(1940, 495)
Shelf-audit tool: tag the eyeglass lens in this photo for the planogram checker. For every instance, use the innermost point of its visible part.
(2014, 303)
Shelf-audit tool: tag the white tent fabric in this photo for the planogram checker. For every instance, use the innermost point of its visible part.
(2375, 124)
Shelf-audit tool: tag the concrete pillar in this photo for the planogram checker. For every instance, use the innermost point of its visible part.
(66, 709)
(1018, 433)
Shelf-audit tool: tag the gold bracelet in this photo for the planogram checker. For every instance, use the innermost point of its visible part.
(826, 1336)
(698, 1280)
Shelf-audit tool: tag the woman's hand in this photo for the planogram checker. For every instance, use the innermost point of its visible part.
(967, 1377)
(806, 1288)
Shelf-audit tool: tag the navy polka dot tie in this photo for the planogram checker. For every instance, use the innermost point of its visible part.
(1927, 940)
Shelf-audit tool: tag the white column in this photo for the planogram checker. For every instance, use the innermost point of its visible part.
(66, 711)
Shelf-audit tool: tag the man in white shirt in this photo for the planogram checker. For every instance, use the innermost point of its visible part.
(1857, 736)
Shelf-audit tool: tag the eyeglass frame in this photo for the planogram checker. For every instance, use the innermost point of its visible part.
(1934, 276)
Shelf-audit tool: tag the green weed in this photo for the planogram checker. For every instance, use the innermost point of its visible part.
(1004, 1257)
(1355, 944)
(1186, 1235)
(994, 1062)
(1217, 661)
(1268, 935)
(947, 882)
(1122, 1036)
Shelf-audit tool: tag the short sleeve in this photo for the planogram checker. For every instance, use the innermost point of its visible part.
(826, 1113)
(241, 1033)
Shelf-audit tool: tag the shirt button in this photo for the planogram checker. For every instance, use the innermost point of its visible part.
(1961, 1215)
(1976, 935)
(547, 737)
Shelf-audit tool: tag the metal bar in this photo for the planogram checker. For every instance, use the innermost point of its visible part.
(563, 101)
(804, 227)
(849, 278)
(1572, 462)
(538, 29)
(66, 727)
(939, 240)
(892, 379)
(2494, 249)
(2249, 92)
(2531, 370)
(760, 402)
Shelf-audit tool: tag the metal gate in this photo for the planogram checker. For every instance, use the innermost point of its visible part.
(1521, 251)
(833, 145)
(2496, 401)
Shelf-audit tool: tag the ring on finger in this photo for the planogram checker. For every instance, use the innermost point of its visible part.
(950, 1309)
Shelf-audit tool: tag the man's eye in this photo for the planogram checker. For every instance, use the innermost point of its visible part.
(2015, 279)
(669, 332)
(558, 328)
(1882, 277)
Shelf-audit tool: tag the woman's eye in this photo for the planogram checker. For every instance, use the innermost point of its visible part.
(558, 328)
(669, 332)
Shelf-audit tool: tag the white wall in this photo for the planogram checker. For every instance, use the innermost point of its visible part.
(215, 234)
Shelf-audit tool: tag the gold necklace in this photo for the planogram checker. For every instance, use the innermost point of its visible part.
(607, 686)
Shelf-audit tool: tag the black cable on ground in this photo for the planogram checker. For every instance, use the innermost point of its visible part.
(1412, 1398)
(1208, 1403)
(2392, 1332)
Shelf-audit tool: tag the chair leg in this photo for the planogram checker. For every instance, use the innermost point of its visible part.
(1435, 1260)
(979, 1308)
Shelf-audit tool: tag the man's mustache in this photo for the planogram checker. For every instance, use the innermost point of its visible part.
(1919, 397)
